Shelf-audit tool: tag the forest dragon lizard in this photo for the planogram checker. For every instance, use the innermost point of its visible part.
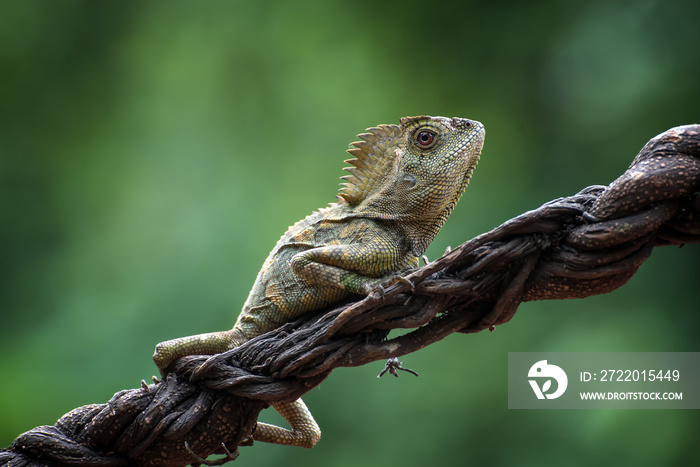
(403, 184)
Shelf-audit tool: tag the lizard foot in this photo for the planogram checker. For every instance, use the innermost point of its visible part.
(379, 292)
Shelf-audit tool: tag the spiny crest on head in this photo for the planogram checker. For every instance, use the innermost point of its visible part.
(374, 157)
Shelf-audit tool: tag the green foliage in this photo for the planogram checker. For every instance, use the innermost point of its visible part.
(151, 155)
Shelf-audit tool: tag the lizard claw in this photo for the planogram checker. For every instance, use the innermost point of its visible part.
(403, 280)
(378, 293)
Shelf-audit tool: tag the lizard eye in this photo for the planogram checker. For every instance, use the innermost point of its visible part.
(425, 139)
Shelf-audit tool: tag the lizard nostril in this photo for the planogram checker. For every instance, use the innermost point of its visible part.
(461, 122)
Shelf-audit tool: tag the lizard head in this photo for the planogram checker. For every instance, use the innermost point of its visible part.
(413, 173)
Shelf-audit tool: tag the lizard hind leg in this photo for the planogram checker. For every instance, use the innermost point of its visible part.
(200, 344)
(305, 431)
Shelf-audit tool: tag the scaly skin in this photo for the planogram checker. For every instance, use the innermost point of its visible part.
(403, 184)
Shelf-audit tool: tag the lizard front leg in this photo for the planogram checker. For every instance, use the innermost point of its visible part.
(359, 268)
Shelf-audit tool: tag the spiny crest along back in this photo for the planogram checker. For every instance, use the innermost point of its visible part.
(374, 157)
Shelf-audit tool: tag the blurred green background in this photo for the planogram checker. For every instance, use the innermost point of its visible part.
(152, 153)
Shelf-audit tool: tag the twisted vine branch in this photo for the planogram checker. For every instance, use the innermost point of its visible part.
(586, 244)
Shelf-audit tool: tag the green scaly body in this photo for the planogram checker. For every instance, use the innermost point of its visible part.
(403, 184)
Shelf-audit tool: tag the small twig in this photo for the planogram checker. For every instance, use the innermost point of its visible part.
(392, 365)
